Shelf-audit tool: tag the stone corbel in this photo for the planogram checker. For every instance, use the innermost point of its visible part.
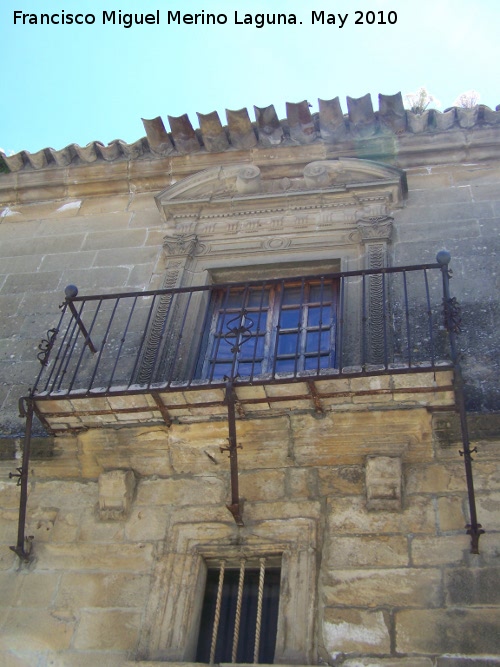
(384, 483)
(116, 491)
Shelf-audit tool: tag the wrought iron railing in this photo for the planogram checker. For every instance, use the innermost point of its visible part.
(392, 320)
(356, 322)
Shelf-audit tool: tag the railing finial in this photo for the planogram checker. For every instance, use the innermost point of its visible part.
(71, 291)
(443, 257)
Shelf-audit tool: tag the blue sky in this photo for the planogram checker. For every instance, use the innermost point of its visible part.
(67, 84)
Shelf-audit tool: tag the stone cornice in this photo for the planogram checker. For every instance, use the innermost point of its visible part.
(153, 173)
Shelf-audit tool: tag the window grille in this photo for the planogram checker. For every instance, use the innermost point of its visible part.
(239, 617)
(284, 327)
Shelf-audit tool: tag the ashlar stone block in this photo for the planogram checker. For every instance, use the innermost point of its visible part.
(116, 490)
(346, 630)
(384, 483)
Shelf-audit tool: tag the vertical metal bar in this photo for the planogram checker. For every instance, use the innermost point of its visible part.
(340, 328)
(474, 529)
(180, 335)
(103, 344)
(300, 343)
(23, 471)
(429, 317)
(68, 354)
(143, 339)
(203, 336)
(164, 315)
(237, 619)
(234, 507)
(122, 341)
(218, 603)
(224, 299)
(82, 353)
(258, 622)
(407, 319)
(363, 322)
(257, 331)
(81, 326)
(384, 320)
(275, 353)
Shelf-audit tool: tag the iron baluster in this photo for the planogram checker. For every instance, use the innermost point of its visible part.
(429, 318)
(474, 529)
(71, 292)
(407, 320)
(143, 340)
(122, 341)
(82, 353)
(23, 546)
(235, 507)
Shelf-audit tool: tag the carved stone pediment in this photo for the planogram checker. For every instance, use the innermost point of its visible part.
(242, 189)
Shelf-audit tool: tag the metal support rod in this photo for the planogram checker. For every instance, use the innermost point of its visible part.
(71, 291)
(452, 323)
(235, 506)
(22, 475)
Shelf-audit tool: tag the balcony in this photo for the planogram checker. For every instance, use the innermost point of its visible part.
(283, 344)
(257, 348)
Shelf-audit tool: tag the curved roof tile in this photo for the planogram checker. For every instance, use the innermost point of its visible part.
(329, 125)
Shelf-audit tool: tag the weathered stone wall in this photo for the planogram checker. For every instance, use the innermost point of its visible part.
(378, 481)
(112, 242)
(393, 580)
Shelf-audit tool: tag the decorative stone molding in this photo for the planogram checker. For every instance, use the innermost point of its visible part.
(173, 613)
(377, 228)
(248, 180)
(180, 249)
(232, 191)
(116, 491)
(180, 245)
(384, 483)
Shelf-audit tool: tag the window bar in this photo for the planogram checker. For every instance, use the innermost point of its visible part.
(143, 339)
(301, 329)
(103, 344)
(237, 620)
(320, 323)
(122, 341)
(257, 331)
(258, 622)
(220, 313)
(429, 316)
(275, 354)
(238, 334)
(407, 319)
(218, 604)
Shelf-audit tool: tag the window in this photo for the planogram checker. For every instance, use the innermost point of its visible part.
(280, 327)
(239, 616)
(172, 622)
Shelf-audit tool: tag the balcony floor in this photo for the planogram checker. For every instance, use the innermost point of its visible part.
(164, 404)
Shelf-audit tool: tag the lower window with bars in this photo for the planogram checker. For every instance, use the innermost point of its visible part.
(239, 617)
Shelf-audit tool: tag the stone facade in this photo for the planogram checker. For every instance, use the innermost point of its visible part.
(354, 482)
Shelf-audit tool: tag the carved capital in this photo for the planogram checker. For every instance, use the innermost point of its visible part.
(181, 245)
(377, 228)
